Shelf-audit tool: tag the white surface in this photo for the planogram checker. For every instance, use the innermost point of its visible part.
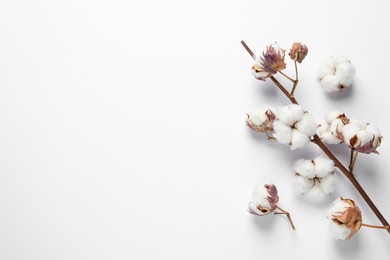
(122, 128)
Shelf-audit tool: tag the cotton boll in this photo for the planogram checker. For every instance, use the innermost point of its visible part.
(336, 126)
(330, 139)
(329, 117)
(323, 166)
(322, 128)
(330, 83)
(296, 112)
(288, 115)
(375, 131)
(325, 69)
(338, 60)
(340, 232)
(345, 73)
(362, 125)
(303, 184)
(258, 116)
(305, 168)
(364, 137)
(349, 132)
(298, 140)
(260, 203)
(282, 132)
(327, 184)
(306, 125)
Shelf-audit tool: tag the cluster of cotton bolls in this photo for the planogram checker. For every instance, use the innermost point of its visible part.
(291, 124)
(315, 177)
(359, 136)
(336, 74)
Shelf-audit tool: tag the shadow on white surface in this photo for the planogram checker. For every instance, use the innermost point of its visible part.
(346, 94)
(264, 223)
(349, 248)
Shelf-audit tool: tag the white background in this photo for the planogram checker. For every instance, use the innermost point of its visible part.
(122, 128)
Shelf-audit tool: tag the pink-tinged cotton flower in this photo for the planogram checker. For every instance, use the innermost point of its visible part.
(271, 61)
(261, 119)
(264, 199)
(346, 218)
(298, 52)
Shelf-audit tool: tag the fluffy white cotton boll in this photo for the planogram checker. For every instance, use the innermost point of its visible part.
(323, 166)
(288, 115)
(328, 184)
(340, 232)
(330, 83)
(305, 168)
(362, 125)
(336, 126)
(306, 125)
(326, 69)
(258, 115)
(298, 139)
(364, 137)
(337, 60)
(336, 74)
(345, 73)
(376, 132)
(302, 184)
(322, 128)
(257, 202)
(330, 139)
(282, 132)
(350, 131)
(329, 117)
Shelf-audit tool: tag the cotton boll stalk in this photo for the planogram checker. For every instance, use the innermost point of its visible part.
(346, 218)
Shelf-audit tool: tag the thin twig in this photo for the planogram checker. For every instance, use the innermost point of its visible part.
(374, 226)
(292, 80)
(296, 79)
(288, 216)
(248, 50)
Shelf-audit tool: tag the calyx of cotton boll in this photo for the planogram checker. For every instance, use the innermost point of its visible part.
(271, 61)
(261, 119)
(294, 126)
(315, 176)
(298, 52)
(336, 74)
(346, 218)
(263, 200)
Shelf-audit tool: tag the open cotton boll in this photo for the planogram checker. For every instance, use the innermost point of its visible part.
(304, 168)
(349, 132)
(303, 185)
(345, 73)
(364, 137)
(260, 205)
(258, 116)
(306, 125)
(330, 83)
(298, 139)
(340, 232)
(282, 132)
(329, 117)
(337, 60)
(375, 131)
(288, 115)
(336, 74)
(327, 184)
(323, 166)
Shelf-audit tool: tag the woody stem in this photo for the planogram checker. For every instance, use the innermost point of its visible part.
(287, 214)
(374, 226)
(296, 79)
(317, 140)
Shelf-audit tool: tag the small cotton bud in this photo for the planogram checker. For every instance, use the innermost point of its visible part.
(263, 200)
(298, 52)
(346, 218)
(261, 120)
(336, 74)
